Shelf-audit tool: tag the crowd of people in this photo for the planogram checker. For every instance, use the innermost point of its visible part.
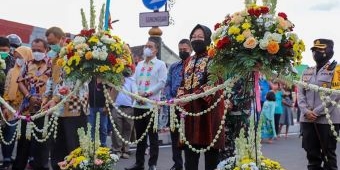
(35, 82)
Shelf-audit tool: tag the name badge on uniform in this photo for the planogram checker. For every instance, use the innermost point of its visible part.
(336, 78)
(307, 75)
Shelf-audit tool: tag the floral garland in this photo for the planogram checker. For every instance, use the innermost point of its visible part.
(326, 99)
(186, 142)
(228, 84)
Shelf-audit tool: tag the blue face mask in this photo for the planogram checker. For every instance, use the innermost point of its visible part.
(51, 54)
(4, 55)
(55, 47)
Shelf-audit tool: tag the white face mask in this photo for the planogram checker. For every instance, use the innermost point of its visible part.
(147, 52)
(38, 56)
(20, 61)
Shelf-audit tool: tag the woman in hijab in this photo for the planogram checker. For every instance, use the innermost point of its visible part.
(14, 97)
(200, 131)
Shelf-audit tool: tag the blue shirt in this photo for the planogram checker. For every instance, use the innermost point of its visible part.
(264, 88)
(174, 79)
(278, 106)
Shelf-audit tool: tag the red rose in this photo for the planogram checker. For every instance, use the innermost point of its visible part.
(251, 11)
(288, 44)
(257, 12)
(70, 54)
(223, 42)
(283, 15)
(264, 9)
(218, 25)
(112, 59)
(68, 40)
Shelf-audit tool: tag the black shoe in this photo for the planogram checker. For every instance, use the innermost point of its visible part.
(5, 165)
(152, 167)
(176, 168)
(135, 167)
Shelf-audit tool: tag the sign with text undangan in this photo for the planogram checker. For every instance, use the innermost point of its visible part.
(153, 19)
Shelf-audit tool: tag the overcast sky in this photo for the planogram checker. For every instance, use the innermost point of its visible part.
(312, 18)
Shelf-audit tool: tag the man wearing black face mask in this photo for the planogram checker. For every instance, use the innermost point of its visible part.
(173, 82)
(200, 131)
(317, 137)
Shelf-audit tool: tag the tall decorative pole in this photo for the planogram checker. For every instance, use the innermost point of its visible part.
(107, 15)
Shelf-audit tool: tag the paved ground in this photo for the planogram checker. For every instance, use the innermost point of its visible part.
(287, 151)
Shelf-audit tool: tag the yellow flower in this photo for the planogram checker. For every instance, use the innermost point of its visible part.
(88, 55)
(67, 69)
(103, 68)
(240, 38)
(117, 47)
(116, 38)
(77, 59)
(233, 30)
(60, 62)
(246, 25)
(119, 67)
(280, 31)
(93, 39)
(296, 47)
(69, 47)
(250, 42)
(78, 160)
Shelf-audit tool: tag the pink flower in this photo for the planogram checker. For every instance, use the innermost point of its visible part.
(64, 90)
(62, 165)
(98, 162)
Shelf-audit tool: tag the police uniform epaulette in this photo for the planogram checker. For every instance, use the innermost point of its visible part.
(332, 65)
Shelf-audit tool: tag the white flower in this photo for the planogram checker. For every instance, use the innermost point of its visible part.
(79, 40)
(82, 46)
(263, 44)
(268, 24)
(259, 20)
(114, 157)
(107, 40)
(2, 64)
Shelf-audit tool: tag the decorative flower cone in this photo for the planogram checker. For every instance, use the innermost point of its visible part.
(255, 39)
(95, 53)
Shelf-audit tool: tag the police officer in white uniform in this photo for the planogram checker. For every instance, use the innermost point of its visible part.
(318, 139)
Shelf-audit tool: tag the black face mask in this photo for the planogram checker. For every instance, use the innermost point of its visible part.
(320, 57)
(199, 46)
(184, 55)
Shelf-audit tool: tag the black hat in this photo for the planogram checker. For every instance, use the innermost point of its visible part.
(323, 44)
(207, 33)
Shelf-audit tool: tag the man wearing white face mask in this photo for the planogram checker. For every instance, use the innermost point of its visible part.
(150, 77)
(32, 84)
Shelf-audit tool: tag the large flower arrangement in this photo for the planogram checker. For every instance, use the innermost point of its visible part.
(255, 37)
(248, 154)
(95, 53)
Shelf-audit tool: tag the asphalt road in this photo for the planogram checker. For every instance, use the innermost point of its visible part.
(287, 151)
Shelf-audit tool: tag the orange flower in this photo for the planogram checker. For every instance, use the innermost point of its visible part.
(211, 52)
(273, 47)
(88, 55)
